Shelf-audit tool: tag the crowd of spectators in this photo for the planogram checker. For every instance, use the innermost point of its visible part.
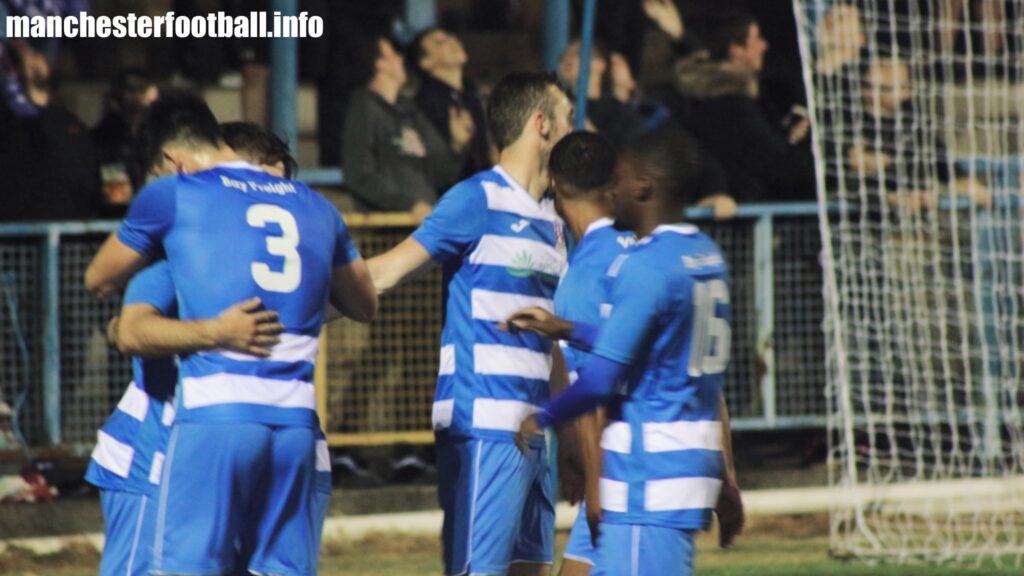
(405, 121)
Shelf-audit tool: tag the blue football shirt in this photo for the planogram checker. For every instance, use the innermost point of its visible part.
(231, 233)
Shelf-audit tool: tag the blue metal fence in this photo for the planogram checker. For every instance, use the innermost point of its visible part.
(53, 351)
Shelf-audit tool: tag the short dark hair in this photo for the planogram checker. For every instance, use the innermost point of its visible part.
(415, 52)
(672, 158)
(260, 144)
(365, 53)
(585, 161)
(513, 100)
(729, 30)
(178, 117)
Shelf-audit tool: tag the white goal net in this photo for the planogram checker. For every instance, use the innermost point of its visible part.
(918, 139)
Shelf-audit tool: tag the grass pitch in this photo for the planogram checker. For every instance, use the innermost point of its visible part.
(771, 546)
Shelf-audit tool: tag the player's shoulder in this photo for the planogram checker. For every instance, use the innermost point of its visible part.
(162, 185)
(609, 238)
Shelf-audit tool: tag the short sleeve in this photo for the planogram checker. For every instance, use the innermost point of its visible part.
(154, 286)
(636, 300)
(150, 217)
(456, 223)
(345, 249)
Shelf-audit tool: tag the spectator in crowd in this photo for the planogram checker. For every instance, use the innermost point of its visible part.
(439, 59)
(623, 24)
(47, 157)
(393, 158)
(614, 119)
(763, 161)
(886, 152)
(121, 170)
(621, 85)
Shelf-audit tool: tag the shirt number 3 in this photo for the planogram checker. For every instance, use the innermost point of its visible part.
(285, 246)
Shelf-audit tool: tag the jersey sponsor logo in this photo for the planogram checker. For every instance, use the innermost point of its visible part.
(520, 226)
(626, 241)
(279, 188)
(702, 260)
(522, 265)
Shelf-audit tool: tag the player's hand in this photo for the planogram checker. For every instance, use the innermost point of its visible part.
(112, 327)
(460, 124)
(665, 14)
(594, 517)
(527, 429)
(538, 320)
(723, 205)
(730, 514)
(247, 328)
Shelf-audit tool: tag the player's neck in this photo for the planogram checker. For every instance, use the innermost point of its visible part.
(657, 215)
(582, 215)
(526, 168)
(210, 157)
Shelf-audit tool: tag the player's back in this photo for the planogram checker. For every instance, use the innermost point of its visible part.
(239, 233)
(662, 447)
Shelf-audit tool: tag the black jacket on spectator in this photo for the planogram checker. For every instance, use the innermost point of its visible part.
(759, 163)
(615, 120)
(436, 97)
(118, 150)
(49, 167)
(377, 164)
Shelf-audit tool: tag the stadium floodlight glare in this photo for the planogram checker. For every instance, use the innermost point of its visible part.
(917, 137)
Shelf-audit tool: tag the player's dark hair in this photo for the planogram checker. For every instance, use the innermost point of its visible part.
(582, 162)
(672, 158)
(260, 144)
(177, 117)
(729, 30)
(513, 100)
(415, 52)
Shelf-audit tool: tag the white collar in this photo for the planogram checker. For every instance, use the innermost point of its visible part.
(602, 222)
(685, 229)
(239, 164)
(513, 183)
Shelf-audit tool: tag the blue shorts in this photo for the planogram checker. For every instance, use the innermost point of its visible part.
(237, 491)
(128, 519)
(579, 546)
(633, 550)
(499, 506)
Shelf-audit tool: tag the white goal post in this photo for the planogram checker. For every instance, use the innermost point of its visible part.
(917, 108)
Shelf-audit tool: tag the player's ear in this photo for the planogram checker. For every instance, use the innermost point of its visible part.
(543, 124)
(644, 189)
(172, 157)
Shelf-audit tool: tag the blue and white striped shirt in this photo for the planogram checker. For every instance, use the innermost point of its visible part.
(501, 251)
(130, 447)
(669, 322)
(231, 233)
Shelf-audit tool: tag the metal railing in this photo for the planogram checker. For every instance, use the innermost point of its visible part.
(375, 383)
